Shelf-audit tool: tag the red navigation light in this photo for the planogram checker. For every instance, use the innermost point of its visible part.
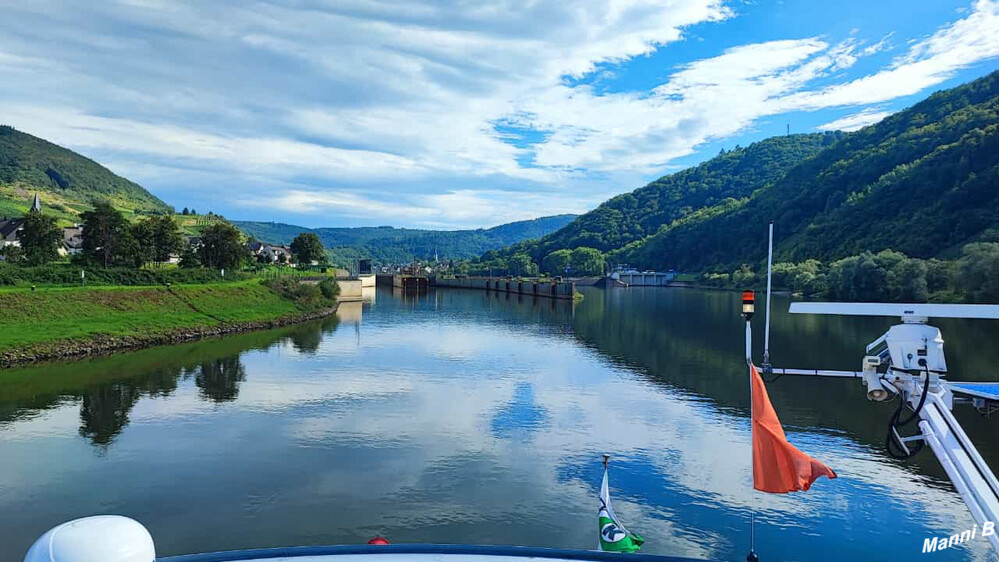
(748, 304)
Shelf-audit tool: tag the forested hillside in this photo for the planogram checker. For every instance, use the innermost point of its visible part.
(386, 244)
(66, 182)
(923, 181)
(632, 216)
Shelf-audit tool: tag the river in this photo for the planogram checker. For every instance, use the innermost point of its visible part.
(462, 416)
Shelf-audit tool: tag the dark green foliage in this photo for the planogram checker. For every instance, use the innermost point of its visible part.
(40, 238)
(307, 296)
(329, 288)
(556, 262)
(159, 237)
(107, 237)
(222, 247)
(521, 265)
(586, 261)
(189, 258)
(886, 276)
(12, 255)
(307, 248)
(979, 272)
(38, 163)
(923, 182)
(385, 244)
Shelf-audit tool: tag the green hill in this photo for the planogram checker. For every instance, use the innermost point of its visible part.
(632, 216)
(386, 244)
(924, 181)
(66, 182)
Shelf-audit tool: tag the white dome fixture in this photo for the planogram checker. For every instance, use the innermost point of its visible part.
(102, 538)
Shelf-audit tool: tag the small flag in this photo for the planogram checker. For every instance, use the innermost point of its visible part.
(614, 537)
(778, 467)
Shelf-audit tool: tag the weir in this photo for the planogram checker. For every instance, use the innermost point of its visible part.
(546, 289)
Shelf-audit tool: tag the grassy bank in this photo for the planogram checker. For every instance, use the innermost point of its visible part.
(62, 322)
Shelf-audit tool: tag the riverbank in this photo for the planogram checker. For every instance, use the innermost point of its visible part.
(63, 323)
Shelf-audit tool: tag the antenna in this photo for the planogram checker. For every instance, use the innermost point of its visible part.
(909, 313)
(770, 275)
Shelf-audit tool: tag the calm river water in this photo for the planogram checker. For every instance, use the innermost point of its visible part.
(461, 416)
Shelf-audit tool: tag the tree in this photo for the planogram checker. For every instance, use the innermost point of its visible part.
(222, 246)
(907, 281)
(12, 254)
(587, 261)
(185, 211)
(979, 271)
(160, 238)
(307, 248)
(521, 264)
(189, 258)
(40, 238)
(556, 262)
(106, 235)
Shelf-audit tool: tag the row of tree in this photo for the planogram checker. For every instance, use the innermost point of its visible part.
(581, 261)
(886, 276)
(111, 240)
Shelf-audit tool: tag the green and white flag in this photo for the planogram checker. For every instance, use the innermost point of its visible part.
(614, 537)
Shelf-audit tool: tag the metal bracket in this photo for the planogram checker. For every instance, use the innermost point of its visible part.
(903, 440)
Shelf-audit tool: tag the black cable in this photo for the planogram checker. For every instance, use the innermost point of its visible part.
(892, 444)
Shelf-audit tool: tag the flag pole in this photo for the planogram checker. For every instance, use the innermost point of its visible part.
(748, 308)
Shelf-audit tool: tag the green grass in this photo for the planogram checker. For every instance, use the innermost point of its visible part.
(56, 314)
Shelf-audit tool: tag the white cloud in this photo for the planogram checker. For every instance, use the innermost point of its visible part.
(457, 208)
(347, 100)
(854, 121)
(928, 62)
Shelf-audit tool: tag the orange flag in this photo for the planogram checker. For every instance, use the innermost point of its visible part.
(778, 467)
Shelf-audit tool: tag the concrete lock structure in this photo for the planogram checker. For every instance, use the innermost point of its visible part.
(546, 289)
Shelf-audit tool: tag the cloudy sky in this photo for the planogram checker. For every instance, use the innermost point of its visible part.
(458, 114)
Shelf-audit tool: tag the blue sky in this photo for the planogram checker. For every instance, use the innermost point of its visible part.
(464, 114)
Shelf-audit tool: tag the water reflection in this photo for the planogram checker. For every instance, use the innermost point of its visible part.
(104, 411)
(219, 379)
(464, 416)
(107, 389)
(521, 416)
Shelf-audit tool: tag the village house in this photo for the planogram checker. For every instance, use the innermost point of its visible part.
(272, 253)
(72, 240)
(10, 232)
(10, 228)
